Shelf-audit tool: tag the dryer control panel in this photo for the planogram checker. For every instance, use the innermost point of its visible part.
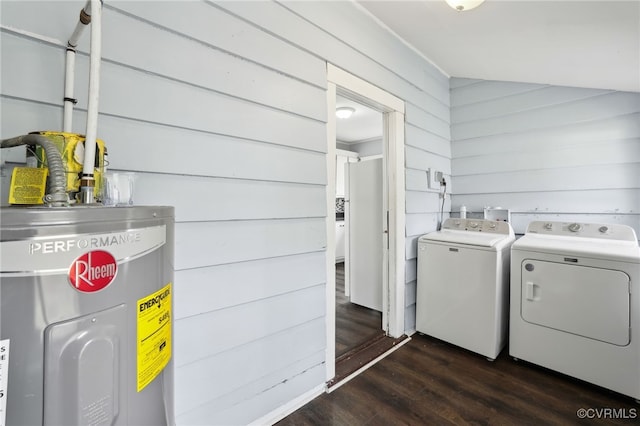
(478, 225)
(585, 230)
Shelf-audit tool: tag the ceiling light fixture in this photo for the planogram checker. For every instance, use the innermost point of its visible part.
(344, 112)
(463, 5)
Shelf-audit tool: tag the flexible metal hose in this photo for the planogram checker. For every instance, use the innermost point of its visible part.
(57, 195)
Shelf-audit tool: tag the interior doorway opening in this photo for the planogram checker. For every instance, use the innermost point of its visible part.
(359, 212)
(387, 236)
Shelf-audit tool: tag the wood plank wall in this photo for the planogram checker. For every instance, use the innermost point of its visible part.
(546, 152)
(220, 110)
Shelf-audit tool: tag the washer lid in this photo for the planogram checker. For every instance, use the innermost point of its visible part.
(472, 238)
(474, 232)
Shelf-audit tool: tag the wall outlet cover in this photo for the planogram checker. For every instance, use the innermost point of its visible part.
(433, 182)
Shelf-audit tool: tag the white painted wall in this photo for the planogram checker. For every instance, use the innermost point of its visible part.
(342, 145)
(220, 110)
(546, 152)
(368, 148)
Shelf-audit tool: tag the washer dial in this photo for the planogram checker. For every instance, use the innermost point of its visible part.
(575, 227)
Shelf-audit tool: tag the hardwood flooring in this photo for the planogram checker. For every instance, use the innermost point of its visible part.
(355, 325)
(359, 335)
(430, 382)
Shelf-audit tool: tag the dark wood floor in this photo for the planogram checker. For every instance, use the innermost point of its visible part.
(355, 325)
(430, 382)
(359, 335)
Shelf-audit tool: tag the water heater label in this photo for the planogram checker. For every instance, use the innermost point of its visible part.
(4, 373)
(93, 271)
(154, 335)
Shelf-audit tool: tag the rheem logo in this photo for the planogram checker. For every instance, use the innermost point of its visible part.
(93, 271)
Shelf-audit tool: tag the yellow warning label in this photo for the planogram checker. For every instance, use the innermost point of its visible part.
(27, 185)
(154, 335)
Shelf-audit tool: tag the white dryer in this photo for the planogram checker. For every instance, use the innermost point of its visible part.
(463, 284)
(575, 302)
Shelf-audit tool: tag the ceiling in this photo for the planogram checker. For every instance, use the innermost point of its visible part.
(364, 125)
(594, 44)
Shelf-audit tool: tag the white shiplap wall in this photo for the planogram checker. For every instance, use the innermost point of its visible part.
(220, 110)
(546, 152)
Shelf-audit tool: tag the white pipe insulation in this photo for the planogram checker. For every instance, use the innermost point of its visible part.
(87, 181)
(70, 66)
(91, 13)
(69, 100)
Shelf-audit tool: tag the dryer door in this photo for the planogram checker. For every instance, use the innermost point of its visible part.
(586, 301)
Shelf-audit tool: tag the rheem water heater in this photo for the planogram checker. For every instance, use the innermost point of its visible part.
(86, 316)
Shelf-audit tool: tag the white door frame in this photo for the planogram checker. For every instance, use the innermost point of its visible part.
(394, 181)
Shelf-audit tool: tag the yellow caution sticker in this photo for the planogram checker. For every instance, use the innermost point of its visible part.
(154, 335)
(27, 185)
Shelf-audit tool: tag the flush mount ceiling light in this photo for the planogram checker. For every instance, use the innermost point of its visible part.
(344, 112)
(462, 5)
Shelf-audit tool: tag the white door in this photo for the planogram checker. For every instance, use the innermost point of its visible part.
(340, 242)
(365, 227)
(341, 160)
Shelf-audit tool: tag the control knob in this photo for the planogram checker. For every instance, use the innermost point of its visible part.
(575, 227)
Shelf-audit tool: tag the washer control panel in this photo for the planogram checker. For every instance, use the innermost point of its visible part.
(478, 225)
(585, 230)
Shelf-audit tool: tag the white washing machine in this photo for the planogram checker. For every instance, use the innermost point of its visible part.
(575, 302)
(463, 284)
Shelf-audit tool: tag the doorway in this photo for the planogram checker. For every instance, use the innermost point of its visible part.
(359, 211)
(342, 85)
